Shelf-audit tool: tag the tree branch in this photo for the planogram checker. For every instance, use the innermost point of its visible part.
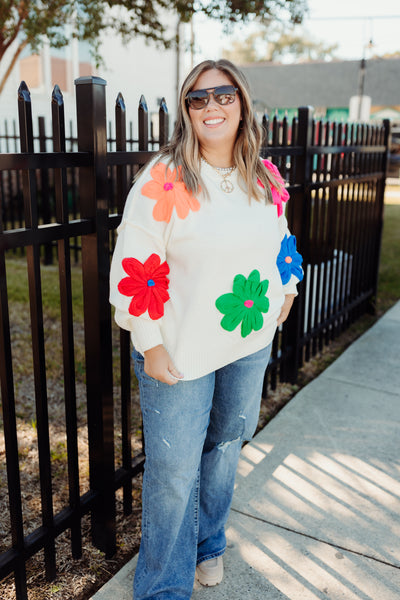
(22, 13)
(12, 64)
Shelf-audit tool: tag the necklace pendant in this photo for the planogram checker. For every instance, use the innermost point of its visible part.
(226, 186)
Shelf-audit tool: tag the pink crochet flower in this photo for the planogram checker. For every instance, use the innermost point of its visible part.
(277, 196)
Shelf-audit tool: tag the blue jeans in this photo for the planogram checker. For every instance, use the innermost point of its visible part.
(193, 434)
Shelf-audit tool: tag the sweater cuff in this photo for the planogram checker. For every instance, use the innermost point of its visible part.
(146, 334)
(291, 286)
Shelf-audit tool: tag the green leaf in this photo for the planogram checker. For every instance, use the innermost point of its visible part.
(262, 303)
(254, 276)
(263, 287)
(228, 302)
(252, 321)
(239, 286)
(232, 320)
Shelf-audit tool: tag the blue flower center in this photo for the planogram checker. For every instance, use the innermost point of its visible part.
(150, 283)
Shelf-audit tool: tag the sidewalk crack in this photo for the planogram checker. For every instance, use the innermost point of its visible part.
(359, 385)
(311, 537)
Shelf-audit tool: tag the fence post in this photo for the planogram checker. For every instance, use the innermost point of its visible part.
(163, 123)
(64, 261)
(92, 138)
(120, 140)
(143, 118)
(298, 224)
(10, 430)
(37, 331)
(45, 210)
(380, 215)
(124, 337)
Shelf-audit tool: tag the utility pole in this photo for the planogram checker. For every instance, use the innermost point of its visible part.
(361, 85)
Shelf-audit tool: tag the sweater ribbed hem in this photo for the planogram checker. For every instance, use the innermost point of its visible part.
(195, 364)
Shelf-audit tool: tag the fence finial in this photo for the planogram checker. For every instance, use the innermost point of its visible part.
(120, 102)
(23, 92)
(163, 105)
(143, 104)
(57, 97)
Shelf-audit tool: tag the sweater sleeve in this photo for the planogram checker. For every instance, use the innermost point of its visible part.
(289, 261)
(139, 271)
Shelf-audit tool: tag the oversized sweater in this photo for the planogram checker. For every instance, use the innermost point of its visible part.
(204, 276)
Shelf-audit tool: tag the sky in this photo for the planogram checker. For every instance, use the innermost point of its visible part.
(349, 23)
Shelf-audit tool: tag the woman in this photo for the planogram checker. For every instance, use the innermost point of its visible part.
(203, 272)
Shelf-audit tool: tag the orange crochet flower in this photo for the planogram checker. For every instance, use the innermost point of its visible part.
(169, 191)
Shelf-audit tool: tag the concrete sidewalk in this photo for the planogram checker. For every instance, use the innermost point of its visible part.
(316, 510)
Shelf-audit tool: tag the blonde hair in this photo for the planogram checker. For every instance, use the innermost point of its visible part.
(184, 149)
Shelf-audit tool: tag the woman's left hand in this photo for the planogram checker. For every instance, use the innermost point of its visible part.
(285, 310)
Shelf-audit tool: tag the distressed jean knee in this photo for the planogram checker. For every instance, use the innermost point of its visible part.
(223, 446)
(250, 429)
(246, 436)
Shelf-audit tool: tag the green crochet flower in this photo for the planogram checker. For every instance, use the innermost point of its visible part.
(245, 305)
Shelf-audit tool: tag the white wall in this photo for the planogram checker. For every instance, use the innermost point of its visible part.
(8, 98)
(137, 69)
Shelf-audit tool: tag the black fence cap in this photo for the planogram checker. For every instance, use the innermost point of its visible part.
(90, 79)
(23, 92)
(120, 101)
(57, 97)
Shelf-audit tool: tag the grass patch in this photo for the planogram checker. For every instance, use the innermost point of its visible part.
(18, 289)
(389, 268)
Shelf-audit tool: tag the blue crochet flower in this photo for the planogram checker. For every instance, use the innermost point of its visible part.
(289, 260)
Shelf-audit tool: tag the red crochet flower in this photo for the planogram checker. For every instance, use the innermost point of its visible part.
(277, 197)
(147, 283)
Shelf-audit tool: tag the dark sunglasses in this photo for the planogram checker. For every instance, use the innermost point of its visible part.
(223, 94)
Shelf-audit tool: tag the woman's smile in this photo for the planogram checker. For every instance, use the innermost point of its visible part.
(213, 122)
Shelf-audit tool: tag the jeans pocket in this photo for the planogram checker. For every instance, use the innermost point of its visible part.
(141, 375)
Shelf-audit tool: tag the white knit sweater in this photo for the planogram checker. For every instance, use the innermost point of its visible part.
(190, 303)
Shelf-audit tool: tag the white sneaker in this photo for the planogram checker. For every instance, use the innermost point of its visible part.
(210, 572)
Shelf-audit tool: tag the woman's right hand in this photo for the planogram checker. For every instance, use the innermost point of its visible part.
(158, 364)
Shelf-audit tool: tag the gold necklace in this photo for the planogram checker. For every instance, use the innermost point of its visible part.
(226, 184)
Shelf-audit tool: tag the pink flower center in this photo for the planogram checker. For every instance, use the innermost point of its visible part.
(248, 303)
(168, 186)
(288, 259)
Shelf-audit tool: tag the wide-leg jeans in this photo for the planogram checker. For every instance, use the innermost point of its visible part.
(193, 433)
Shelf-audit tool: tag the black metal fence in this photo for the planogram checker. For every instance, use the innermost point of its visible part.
(12, 213)
(336, 177)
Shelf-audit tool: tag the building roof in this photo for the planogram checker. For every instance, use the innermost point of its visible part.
(324, 83)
